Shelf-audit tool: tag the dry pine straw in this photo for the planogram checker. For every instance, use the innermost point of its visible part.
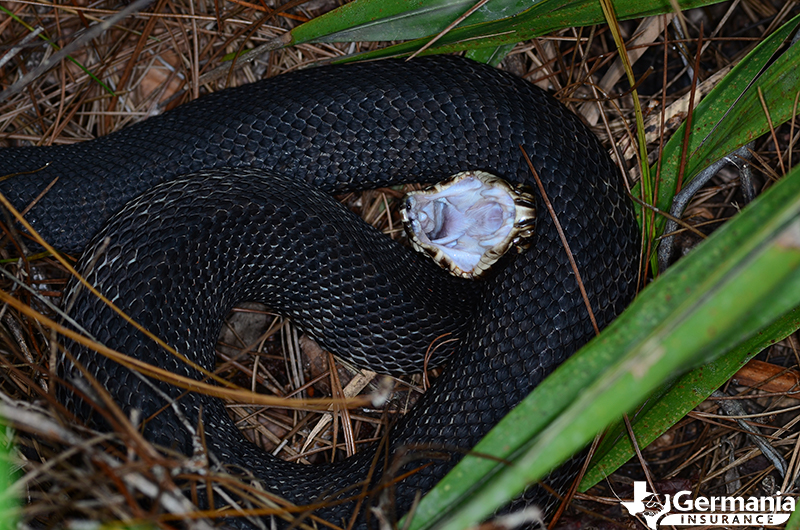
(153, 62)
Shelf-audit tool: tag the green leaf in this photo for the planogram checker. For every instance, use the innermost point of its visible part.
(740, 282)
(371, 20)
(493, 55)
(676, 400)
(717, 130)
(731, 114)
(8, 497)
(497, 23)
(543, 17)
(794, 521)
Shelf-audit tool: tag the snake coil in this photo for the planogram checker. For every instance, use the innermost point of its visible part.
(187, 213)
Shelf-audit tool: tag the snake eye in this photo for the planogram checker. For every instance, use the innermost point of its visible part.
(469, 221)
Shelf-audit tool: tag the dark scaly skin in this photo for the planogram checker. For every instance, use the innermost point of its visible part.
(337, 129)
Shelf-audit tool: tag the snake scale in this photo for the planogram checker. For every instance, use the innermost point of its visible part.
(227, 199)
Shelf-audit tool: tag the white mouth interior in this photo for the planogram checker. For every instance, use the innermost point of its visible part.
(464, 220)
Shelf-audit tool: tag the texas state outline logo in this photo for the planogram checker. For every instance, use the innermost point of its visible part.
(682, 509)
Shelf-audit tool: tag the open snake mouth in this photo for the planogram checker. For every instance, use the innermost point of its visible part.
(469, 221)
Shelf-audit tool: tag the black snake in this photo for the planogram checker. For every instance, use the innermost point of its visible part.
(239, 168)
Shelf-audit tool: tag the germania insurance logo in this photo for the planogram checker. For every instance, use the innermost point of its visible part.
(682, 509)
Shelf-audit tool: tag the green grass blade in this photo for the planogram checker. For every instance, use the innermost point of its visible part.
(646, 182)
(542, 18)
(56, 47)
(8, 500)
(709, 303)
(717, 122)
(381, 20)
(679, 398)
(794, 521)
(491, 55)
(717, 130)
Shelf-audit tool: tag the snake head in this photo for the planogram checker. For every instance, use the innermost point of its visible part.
(469, 221)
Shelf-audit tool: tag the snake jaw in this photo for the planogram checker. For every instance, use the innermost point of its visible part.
(469, 221)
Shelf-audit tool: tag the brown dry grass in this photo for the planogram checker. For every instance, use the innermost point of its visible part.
(152, 61)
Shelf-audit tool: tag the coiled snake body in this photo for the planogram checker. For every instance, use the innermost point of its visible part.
(241, 167)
